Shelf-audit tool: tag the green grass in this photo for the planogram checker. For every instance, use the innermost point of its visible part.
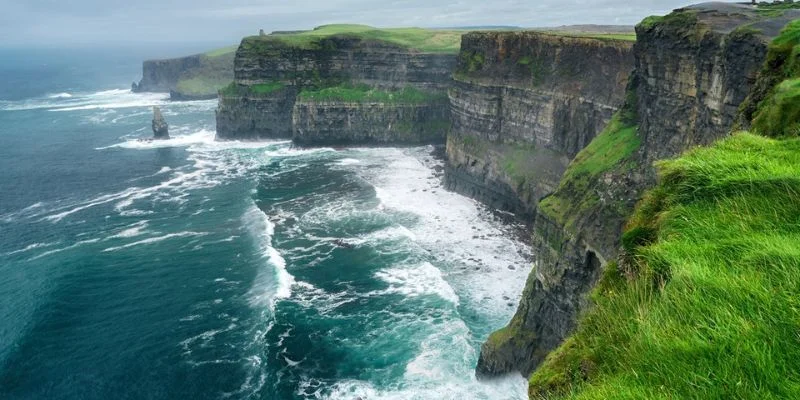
(202, 85)
(257, 90)
(221, 52)
(516, 163)
(707, 306)
(610, 150)
(770, 10)
(625, 37)
(367, 94)
(424, 40)
(778, 114)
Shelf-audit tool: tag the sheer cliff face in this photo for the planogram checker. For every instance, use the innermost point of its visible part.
(326, 63)
(520, 93)
(693, 68)
(163, 75)
(335, 59)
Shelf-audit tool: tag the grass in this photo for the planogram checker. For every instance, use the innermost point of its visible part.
(609, 150)
(625, 37)
(221, 52)
(516, 163)
(214, 73)
(202, 85)
(707, 304)
(772, 10)
(257, 90)
(424, 40)
(777, 115)
(367, 94)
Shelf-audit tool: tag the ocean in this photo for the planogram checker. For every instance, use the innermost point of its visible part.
(197, 269)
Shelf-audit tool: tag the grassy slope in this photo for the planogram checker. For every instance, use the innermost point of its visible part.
(708, 305)
(425, 40)
(610, 150)
(706, 301)
(215, 73)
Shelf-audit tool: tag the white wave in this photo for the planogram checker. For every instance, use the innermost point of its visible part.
(200, 137)
(31, 247)
(508, 388)
(417, 281)
(348, 161)
(276, 282)
(60, 96)
(136, 213)
(485, 263)
(76, 245)
(156, 240)
(103, 100)
(136, 229)
(294, 152)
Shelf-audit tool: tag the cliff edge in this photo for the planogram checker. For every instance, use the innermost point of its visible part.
(693, 71)
(341, 84)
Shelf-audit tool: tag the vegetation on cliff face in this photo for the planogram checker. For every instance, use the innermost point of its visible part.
(707, 302)
(778, 114)
(425, 40)
(367, 94)
(609, 151)
(214, 73)
(257, 90)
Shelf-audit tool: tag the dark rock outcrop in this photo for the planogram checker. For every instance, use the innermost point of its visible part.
(160, 126)
(246, 112)
(341, 123)
(693, 69)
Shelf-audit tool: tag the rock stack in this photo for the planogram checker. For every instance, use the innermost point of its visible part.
(160, 126)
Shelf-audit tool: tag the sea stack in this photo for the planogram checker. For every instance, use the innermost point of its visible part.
(160, 126)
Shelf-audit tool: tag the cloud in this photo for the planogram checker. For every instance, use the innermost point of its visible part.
(120, 21)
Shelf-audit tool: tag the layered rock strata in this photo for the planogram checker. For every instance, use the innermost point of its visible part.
(523, 105)
(264, 102)
(693, 70)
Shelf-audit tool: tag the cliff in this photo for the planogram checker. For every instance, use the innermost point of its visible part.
(340, 84)
(193, 77)
(523, 105)
(693, 70)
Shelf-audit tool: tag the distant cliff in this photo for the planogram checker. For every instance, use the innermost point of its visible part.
(344, 87)
(193, 77)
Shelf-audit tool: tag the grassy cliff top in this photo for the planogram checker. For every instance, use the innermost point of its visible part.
(707, 304)
(704, 302)
(221, 51)
(425, 40)
(624, 36)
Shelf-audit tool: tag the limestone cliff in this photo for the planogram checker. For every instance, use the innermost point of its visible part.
(194, 77)
(336, 89)
(523, 104)
(693, 69)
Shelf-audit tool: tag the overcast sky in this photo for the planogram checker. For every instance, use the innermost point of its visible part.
(81, 22)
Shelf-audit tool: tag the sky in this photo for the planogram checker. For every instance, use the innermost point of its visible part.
(89, 22)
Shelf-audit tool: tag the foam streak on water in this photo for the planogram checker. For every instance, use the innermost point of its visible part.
(203, 269)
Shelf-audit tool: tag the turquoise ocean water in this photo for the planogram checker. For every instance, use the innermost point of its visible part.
(195, 269)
